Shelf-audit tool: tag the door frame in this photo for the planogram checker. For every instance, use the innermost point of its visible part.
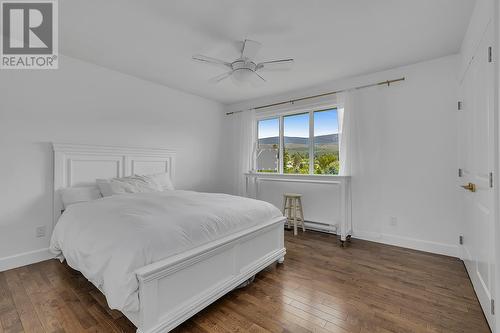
(494, 26)
(496, 167)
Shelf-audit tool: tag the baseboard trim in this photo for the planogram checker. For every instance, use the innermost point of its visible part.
(23, 259)
(410, 243)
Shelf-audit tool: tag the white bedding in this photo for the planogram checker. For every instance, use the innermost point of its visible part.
(109, 238)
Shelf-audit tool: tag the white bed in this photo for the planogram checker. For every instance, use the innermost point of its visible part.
(158, 257)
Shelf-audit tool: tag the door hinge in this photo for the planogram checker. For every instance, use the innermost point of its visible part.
(459, 105)
(492, 306)
(491, 179)
(461, 240)
(460, 172)
(490, 54)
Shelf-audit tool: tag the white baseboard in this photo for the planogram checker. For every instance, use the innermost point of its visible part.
(24, 259)
(410, 243)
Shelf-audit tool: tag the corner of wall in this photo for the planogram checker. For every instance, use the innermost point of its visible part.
(23, 259)
(410, 243)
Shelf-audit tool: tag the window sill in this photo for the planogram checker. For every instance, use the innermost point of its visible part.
(294, 176)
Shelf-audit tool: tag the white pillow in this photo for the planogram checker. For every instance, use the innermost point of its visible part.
(104, 186)
(162, 180)
(131, 184)
(72, 195)
(134, 184)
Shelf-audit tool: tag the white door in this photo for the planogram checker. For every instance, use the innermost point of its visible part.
(476, 126)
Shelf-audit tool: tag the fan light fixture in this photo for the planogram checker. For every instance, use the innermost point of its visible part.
(244, 69)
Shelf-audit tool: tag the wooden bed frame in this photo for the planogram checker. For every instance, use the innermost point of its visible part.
(173, 289)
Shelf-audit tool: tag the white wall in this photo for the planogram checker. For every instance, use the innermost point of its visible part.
(84, 103)
(404, 163)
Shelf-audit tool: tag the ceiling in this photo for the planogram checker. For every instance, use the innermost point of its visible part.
(329, 39)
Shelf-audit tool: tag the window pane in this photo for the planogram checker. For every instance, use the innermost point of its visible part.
(326, 142)
(268, 145)
(296, 140)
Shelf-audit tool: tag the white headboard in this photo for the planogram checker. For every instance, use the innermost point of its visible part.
(81, 165)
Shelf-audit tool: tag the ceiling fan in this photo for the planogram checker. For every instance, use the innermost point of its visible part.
(244, 68)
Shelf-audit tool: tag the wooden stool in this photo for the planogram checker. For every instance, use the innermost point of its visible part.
(292, 209)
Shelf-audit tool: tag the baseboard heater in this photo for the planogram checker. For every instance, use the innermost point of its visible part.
(322, 227)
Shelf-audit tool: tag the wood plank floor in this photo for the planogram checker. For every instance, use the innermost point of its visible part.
(366, 287)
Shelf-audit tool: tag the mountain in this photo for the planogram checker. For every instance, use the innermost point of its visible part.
(326, 139)
(321, 139)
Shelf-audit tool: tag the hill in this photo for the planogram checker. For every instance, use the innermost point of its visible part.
(321, 139)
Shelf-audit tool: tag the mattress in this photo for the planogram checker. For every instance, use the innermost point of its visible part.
(109, 238)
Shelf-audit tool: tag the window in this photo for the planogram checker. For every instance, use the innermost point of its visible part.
(296, 143)
(326, 142)
(268, 145)
(301, 143)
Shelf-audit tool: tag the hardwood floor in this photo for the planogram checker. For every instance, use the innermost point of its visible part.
(366, 287)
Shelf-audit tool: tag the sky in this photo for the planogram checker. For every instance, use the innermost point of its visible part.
(325, 122)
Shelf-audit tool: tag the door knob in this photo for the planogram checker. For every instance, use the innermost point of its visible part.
(471, 187)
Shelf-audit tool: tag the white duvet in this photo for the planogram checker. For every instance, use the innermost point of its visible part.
(108, 239)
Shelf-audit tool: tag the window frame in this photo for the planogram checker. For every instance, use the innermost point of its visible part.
(280, 135)
(292, 112)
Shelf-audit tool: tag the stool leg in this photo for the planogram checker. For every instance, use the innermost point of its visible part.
(294, 216)
(301, 214)
(289, 217)
(285, 199)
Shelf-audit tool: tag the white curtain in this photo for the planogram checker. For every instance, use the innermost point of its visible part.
(246, 144)
(346, 124)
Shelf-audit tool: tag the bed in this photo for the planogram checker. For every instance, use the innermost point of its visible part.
(158, 257)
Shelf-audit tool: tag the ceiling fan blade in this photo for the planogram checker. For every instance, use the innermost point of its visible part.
(250, 48)
(282, 64)
(210, 60)
(259, 76)
(256, 80)
(221, 77)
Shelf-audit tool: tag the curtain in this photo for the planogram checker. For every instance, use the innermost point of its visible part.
(246, 147)
(346, 118)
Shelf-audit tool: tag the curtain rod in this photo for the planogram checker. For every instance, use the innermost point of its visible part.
(388, 82)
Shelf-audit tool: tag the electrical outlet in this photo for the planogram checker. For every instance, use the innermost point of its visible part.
(394, 221)
(40, 232)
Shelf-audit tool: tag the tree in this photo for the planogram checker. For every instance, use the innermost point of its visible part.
(298, 162)
(326, 163)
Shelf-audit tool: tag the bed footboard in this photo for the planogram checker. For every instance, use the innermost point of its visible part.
(174, 289)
